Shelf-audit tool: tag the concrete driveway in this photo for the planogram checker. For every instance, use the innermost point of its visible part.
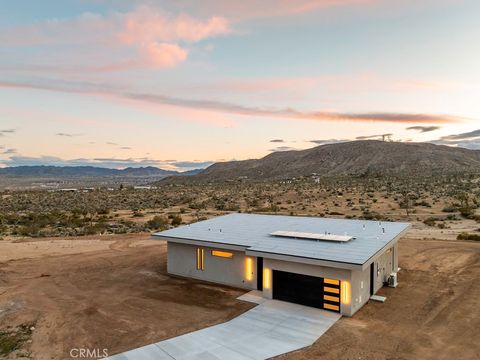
(272, 328)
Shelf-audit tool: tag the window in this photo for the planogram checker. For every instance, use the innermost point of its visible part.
(223, 254)
(200, 259)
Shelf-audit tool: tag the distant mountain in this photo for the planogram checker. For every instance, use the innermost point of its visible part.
(351, 158)
(87, 171)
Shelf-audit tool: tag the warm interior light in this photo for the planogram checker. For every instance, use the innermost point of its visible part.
(346, 293)
(203, 259)
(266, 278)
(331, 298)
(248, 268)
(332, 290)
(223, 254)
(331, 307)
(331, 281)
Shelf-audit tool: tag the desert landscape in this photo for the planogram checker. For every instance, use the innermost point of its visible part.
(115, 294)
(110, 289)
(128, 128)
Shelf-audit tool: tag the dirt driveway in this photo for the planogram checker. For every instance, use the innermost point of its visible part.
(119, 297)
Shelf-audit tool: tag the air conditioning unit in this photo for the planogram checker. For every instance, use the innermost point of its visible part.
(392, 280)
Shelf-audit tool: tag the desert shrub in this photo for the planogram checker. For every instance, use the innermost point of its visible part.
(138, 213)
(176, 220)
(442, 225)
(157, 222)
(449, 209)
(430, 221)
(467, 212)
(467, 236)
(423, 203)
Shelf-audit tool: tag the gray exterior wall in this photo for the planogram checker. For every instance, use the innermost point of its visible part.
(355, 283)
(384, 266)
(360, 289)
(181, 260)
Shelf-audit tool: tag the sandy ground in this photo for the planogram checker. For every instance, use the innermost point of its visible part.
(117, 298)
(115, 294)
(434, 313)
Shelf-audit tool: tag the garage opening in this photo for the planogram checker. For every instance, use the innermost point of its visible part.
(307, 290)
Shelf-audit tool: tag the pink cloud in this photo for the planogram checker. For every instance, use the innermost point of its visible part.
(146, 24)
(162, 55)
(238, 109)
(145, 37)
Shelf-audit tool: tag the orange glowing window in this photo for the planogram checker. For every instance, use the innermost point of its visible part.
(331, 290)
(331, 307)
(223, 254)
(331, 298)
(331, 281)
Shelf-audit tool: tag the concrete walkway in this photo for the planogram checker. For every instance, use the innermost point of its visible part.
(272, 328)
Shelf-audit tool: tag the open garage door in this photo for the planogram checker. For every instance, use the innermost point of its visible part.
(307, 290)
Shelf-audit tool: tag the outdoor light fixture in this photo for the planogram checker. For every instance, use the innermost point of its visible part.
(346, 293)
(248, 268)
(266, 278)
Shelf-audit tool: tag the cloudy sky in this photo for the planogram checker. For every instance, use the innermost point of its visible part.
(180, 84)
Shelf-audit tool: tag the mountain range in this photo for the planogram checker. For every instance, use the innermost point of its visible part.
(88, 171)
(356, 158)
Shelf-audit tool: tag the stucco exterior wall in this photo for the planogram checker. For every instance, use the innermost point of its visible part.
(384, 266)
(343, 275)
(355, 283)
(181, 260)
(360, 288)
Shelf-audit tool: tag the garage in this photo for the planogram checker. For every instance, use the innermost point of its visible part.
(307, 290)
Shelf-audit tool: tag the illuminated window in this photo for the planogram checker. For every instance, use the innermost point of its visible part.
(223, 254)
(200, 259)
(331, 294)
(332, 290)
(331, 281)
(331, 307)
(331, 298)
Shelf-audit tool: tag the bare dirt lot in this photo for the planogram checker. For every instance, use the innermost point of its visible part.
(118, 296)
(433, 313)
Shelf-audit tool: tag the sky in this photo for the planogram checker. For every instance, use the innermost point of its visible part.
(182, 84)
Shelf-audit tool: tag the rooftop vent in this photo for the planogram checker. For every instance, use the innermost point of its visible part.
(312, 236)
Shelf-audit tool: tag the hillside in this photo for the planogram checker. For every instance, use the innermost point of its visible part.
(351, 158)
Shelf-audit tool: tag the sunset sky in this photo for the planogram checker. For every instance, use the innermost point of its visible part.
(181, 84)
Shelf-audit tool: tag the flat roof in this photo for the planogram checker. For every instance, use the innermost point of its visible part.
(253, 231)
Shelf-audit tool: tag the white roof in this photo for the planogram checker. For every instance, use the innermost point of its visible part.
(253, 232)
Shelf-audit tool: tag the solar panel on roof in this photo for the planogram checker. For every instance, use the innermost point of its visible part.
(312, 236)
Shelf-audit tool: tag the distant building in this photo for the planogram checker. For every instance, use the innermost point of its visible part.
(332, 264)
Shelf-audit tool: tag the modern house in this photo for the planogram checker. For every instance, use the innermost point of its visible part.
(332, 264)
